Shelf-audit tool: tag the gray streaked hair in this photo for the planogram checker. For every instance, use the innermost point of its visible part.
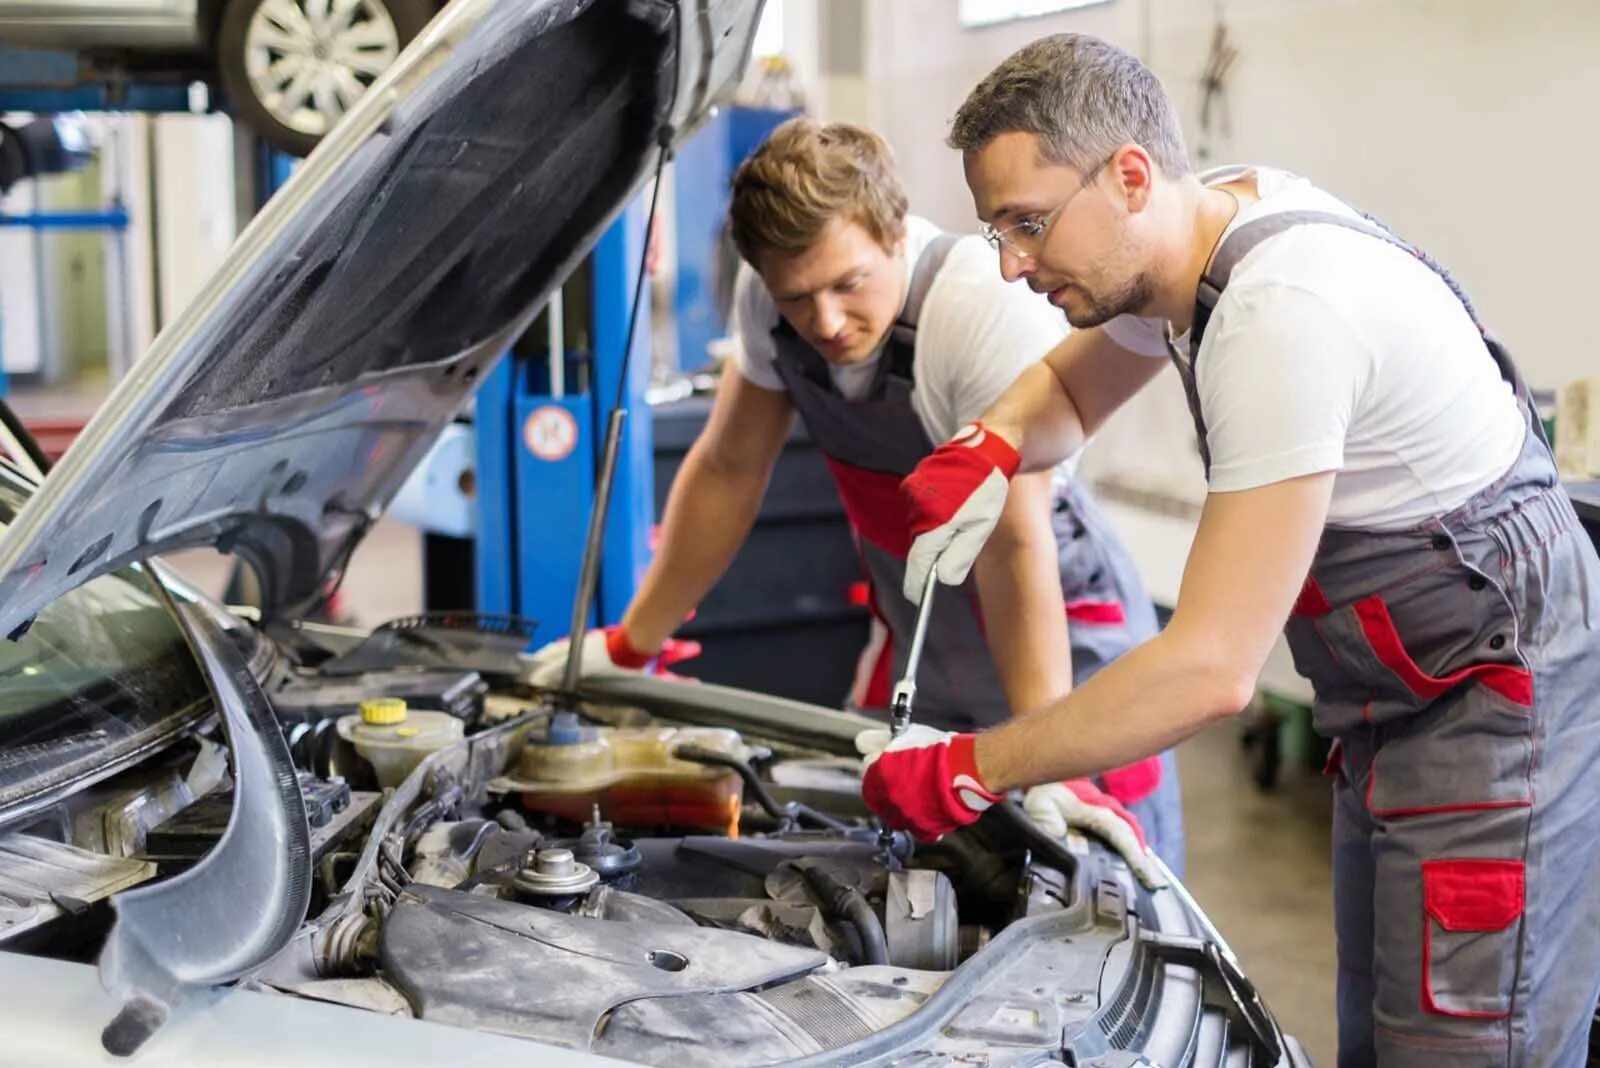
(1081, 97)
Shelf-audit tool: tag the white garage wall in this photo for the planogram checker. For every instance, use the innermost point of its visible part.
(1467, 125)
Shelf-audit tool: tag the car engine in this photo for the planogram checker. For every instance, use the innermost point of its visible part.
(665, 893)
(664, 873)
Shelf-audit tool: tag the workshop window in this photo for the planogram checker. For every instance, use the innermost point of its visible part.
(973, 13)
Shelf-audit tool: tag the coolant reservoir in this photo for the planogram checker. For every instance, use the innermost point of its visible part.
(394, 739)
(631, 773)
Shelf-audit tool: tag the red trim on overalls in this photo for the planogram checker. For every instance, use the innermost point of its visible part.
(873, 506)
(1312, 601)
(1405, 811)
(1471, 896)
(1104, 613)
(1513, 683)
(1509, 681)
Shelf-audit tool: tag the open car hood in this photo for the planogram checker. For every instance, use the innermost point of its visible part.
(280, 413)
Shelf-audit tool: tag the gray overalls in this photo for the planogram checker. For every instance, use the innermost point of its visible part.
(1457, 669)
(870, 445)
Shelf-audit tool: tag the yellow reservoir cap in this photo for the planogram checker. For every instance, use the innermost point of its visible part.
(383, 711)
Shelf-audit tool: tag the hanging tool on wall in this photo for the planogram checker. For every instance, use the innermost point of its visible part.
(1214, 111)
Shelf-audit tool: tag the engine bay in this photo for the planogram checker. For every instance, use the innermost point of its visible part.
(657, 884)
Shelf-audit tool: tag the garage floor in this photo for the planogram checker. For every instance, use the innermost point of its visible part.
(1258, 863)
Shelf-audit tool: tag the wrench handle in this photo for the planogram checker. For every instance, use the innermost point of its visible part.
(920, 633)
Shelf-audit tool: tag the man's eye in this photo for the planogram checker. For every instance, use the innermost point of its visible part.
(1032, 225)
(850, 285)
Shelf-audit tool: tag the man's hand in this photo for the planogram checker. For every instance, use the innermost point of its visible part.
(924, 781)
(1079, 803)
(606, 651)
(953, 500)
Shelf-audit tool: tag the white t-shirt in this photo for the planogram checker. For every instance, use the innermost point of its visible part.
(1333, 351)
(975, 334)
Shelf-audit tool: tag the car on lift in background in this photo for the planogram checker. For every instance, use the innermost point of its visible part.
(290, 68)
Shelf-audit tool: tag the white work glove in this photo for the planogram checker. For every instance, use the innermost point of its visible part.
(1080, 804)
(953, 500)
(606, 651)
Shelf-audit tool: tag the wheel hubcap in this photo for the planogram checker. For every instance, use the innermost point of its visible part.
(309, 61)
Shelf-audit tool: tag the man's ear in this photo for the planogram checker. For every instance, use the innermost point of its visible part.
(1135, 174)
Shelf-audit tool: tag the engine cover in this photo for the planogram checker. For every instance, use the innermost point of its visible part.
(475, 961)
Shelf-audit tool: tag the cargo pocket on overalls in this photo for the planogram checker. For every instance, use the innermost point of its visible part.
(1472, 911)
(1456, 729)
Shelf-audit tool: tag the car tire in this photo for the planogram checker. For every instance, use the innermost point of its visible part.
(267, 43)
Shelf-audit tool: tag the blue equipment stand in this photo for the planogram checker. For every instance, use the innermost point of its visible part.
(538, 454)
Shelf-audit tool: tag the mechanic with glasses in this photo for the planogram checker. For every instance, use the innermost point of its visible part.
(886, 335)
(1380, 487)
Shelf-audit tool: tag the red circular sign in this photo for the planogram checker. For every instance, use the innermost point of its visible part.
(551, 433)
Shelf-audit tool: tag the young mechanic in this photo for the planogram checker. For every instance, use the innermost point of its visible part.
(886, 335)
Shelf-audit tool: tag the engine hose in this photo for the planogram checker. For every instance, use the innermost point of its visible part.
(784, 814)
(1050, 850)
(845, 902)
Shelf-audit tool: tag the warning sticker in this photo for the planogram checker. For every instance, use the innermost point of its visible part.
(551, 433)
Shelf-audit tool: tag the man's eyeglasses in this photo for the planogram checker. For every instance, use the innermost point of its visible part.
(1026, 236)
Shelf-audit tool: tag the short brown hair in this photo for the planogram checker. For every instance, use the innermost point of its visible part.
(805, 175)
(1081, 97)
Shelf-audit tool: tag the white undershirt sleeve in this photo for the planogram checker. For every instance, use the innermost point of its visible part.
(1279, 375)
(972, 343)
(753, 317)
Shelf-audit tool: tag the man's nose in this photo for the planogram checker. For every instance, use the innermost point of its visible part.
(1014, 268)
(829, 317)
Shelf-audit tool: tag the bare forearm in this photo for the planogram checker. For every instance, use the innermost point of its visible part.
(1038, 418)
(1019, 586)
(1250, 555)
(1150, 699)
(709, 513)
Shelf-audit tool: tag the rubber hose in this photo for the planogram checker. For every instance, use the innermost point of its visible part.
(847, 903)
(758, 789)
(1051, 850)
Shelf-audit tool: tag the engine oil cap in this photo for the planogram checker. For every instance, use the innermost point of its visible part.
(383, 711)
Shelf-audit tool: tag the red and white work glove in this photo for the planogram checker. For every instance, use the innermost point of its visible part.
(925, 781)
(953, 500)
(606, 651)
(1079, 804)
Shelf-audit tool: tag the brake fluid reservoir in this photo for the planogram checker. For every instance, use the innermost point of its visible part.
(631, 773)
(394, 739)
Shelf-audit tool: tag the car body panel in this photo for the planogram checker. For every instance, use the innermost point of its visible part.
(279, 414)
(52, 1010)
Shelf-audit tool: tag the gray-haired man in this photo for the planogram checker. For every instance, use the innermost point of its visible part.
(1379, 485)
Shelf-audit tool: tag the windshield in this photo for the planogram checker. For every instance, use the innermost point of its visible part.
(98, 671)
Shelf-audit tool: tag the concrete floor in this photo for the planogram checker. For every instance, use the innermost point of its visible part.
(1258, 863)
